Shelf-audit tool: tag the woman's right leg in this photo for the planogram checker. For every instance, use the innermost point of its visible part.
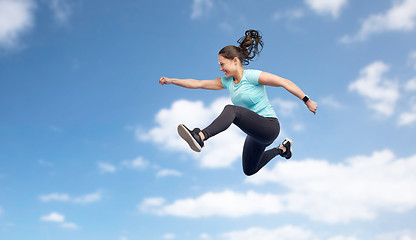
(221, 123)
(262, 129)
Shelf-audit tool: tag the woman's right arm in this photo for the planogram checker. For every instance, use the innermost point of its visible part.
(215, 84)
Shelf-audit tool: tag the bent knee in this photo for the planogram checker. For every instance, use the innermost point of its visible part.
(249, 172)
(229, 107)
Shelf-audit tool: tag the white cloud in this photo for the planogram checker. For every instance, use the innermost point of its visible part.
(63, 197)
(16, 18)
(169, 236)
(45, 163)
(408, 117)
(411, 85)
(149, 204)
(400, 235)
(358, 188)
(168, 172)
(226, 203)
(201, 8)
(298, 127)
(106, 167)
(61, 10)
(283, 233)
(204, 236)
(342, 238)
(287, 232)
(226, 27)
(88, 198)
(221, 150)
(324, 7)
(138, 163)
(69, 225)
(330, 101)
(59, 197)
(289, 14)
(53, 217)
(285, 107)
(412, 59)
(401, 17)
(380, 93)
(59, 218)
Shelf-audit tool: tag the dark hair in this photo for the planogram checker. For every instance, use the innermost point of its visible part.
(248, 47)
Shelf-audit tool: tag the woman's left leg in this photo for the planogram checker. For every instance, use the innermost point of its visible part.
(255, 157)
(261, 132)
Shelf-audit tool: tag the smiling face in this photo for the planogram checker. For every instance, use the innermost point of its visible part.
(229, 67)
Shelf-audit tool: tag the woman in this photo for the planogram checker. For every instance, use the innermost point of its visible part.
(251, 112)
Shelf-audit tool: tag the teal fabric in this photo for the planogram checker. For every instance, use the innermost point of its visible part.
(249, 93)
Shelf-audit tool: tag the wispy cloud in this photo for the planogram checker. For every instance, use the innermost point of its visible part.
(16, 18)
(69, 225)
(221, 150)
(330, 101)
(403, 235)
(288, 14)
(53, 217)
(106, 167)
(204, 236)
(201, 8)
(379, 92)
(348, 195)
(168, 173)
(169, 236)
(226, 27)
(64, 197)
(138, 163)
(401, 17)
(412, 59)
(408, 117)
(285, 107)
(227, 203)
(59, 218)
(411, 85)
(327, 7)
(287, 232)
(61, 10)
(288, 108)
(45, 163)
(284, 233)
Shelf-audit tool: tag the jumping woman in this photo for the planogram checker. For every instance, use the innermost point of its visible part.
(252, 111)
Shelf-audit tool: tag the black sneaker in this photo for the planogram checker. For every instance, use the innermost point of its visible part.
(191, 137)
(287, 143)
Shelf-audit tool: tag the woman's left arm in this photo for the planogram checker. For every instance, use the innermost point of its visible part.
(276, 81)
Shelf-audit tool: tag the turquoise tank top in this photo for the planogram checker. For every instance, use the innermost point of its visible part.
(249, 93)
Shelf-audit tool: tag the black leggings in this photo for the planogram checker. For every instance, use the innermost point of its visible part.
(261, 132)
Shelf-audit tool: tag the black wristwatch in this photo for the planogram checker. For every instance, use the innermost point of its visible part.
(305, 98)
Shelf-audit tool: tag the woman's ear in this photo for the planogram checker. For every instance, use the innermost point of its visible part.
(236, 60)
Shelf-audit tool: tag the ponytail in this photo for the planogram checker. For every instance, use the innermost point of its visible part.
(248, 47)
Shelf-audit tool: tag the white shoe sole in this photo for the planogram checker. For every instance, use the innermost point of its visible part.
(186, 135)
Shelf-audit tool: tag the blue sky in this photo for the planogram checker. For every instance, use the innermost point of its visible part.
(89, 148)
